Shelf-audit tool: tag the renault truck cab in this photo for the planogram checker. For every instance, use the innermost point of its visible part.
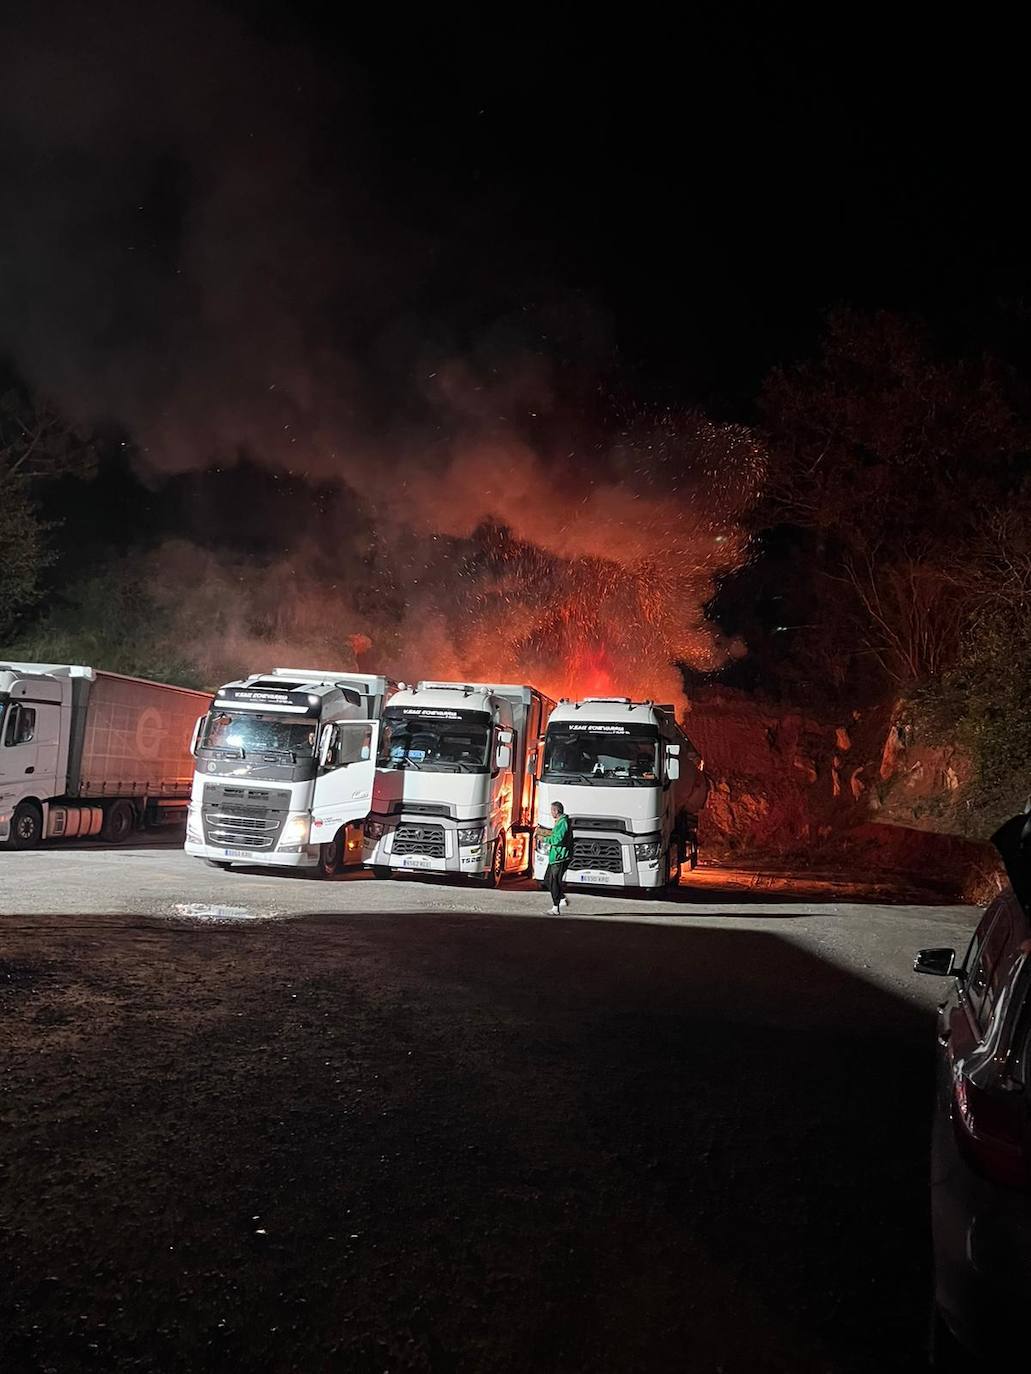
(456, 780)
(632, 785)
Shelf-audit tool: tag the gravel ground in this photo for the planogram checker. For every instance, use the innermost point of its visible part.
(265, 1123)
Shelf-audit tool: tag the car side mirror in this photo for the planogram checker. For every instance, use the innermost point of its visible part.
(939, 962)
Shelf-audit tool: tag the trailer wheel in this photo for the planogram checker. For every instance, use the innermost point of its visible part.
(26, 827)
(330, 856)
(119, 823)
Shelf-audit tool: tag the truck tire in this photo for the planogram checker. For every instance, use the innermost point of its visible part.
(330, 857)
(497, 864)
(119, 823)
(26, 827)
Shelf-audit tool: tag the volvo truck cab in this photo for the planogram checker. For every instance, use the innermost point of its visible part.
(285, 763)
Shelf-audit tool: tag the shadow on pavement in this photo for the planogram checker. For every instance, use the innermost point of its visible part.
(431, 1142)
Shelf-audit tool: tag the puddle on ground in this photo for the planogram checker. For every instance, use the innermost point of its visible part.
(205, 911)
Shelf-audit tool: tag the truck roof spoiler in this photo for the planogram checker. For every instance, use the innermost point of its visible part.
(369, 684)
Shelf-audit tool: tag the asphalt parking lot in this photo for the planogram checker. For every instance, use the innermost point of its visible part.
(256, 1122)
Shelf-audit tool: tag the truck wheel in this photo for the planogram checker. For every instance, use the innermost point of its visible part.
(330, 856)
(26, 827)
(497, 864)
(119, 823)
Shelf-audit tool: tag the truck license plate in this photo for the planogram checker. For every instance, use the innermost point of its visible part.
(591, 876)
(237, 853)
(416, 861)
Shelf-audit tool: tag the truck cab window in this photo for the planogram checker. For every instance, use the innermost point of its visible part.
(21, 725)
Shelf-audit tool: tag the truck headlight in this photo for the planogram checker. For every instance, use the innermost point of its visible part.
(373, 830)
(296, 831)
(648, 850)
(472, 835)
(193, 827)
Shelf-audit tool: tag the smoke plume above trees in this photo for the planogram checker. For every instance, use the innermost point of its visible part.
(177, 260)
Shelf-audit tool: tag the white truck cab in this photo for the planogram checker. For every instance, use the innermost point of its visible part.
(632, 785)
(285, 763)
(456, 780)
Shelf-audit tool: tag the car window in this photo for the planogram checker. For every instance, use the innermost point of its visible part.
(1000, 947)
(976, 966)
(996, 943)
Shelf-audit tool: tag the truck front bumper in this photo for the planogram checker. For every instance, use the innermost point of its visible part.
(295, 854)
(307, 857)
(634, 873)
(472, 860)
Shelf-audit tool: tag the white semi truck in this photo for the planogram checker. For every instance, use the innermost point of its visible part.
(456, 782)
(285, 763)
(632, 785)
(86, 753)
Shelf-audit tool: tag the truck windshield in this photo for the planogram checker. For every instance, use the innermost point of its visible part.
(435, 742)
(602, 754)
(252, 733)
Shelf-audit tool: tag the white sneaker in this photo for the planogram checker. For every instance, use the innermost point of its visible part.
(564, 901)
(554, 911)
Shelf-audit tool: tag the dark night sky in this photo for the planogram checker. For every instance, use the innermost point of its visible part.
(689, 197)
(711, 186)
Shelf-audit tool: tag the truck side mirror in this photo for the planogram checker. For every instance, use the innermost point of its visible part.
(195, 737)
(503, 756)
(326, 744)
(673, 769)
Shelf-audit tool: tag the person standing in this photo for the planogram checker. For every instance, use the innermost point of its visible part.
(559, 853)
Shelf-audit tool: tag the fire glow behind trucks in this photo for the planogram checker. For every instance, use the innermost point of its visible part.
(456, 781)
(86, 753)
(285, 763)
(632, 785)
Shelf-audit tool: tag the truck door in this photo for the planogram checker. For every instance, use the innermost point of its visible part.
(347, 769)
(28, 753)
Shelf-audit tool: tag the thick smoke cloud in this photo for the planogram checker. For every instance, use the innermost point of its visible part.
(180, 253)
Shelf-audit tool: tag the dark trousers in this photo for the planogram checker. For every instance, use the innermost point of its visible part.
(553, 880)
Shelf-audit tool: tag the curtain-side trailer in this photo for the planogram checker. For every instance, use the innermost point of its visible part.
(88, 753)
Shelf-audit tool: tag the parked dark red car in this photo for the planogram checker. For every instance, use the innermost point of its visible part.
(981, 1145)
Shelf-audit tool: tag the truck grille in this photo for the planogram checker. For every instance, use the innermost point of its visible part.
(419, 839)
(243, 817)
(604, 855)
